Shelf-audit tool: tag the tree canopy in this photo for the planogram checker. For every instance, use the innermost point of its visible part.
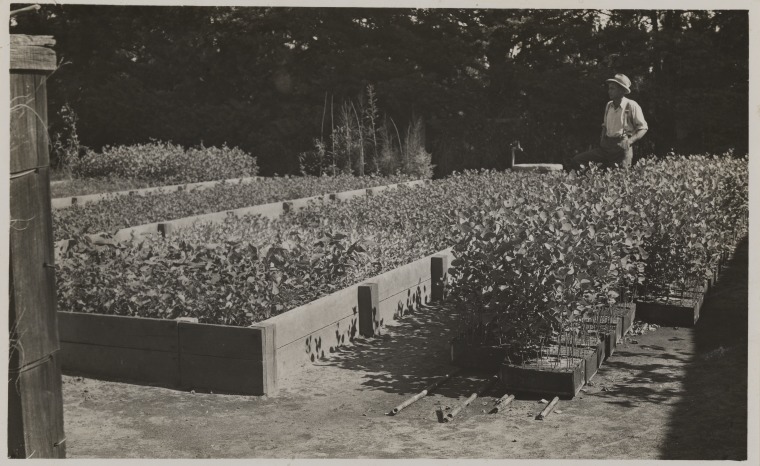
(265, 79)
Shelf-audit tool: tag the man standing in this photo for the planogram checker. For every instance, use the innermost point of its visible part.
(623, 125)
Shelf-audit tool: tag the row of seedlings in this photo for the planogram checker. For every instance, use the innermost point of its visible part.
(545, 281)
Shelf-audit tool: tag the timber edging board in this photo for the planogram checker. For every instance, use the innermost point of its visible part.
(243, 360)
(64, 202)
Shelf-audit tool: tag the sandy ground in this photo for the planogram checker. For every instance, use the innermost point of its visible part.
(671, 393)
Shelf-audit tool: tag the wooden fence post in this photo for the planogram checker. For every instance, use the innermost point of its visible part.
(35, 405)
(368, 303)
(439, 269)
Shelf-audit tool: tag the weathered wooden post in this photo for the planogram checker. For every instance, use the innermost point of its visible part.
(35, 405)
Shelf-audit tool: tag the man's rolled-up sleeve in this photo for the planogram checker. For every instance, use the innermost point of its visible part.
(639, 122)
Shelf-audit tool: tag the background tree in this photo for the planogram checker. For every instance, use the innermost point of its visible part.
(257, 78)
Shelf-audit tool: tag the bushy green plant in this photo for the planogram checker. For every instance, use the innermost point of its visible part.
(164, 162)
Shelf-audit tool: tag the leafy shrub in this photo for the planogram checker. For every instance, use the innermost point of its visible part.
(166, 163)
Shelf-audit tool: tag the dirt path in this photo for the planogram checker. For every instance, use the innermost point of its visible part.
(645, 403)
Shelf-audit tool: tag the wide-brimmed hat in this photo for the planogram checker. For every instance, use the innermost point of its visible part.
(623, 81)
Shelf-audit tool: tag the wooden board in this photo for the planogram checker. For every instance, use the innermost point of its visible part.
(669, 314)
(402, 278)
(35, 411)
(564, 384)
(369, 319)
(64, 202)
(123, 364)
(222, 341)
(314, 346)
(28, 120)
(222, 375)
(228, 359)
(32, 52)
(119, 331)
(404, 302)
(298, 323)
(32, 286)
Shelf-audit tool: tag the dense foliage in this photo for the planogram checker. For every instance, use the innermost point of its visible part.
(117, 212)
(272, 80)
(532, 265)
(533, 251)
(165, 163)
(263, 267)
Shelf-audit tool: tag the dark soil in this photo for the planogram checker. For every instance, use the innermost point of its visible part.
(671, 393)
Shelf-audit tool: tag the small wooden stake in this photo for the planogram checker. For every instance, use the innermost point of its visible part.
(502, 403)
(548, 409)
(450, 416)
(423, 393)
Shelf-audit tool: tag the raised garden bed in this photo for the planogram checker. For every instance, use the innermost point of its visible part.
(244, 360)
(548, 375)
(540, 376)
(673, 311)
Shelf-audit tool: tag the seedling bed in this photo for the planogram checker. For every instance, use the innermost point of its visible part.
(549, 375)
(243, 360)
(673, 311)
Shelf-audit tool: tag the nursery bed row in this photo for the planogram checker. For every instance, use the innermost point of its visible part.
(120, 212)
(64, 202)
(183, 353)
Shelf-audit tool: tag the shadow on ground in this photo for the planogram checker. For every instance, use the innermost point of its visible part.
(410, 355)
(712, 424)
(696, 377)
(702, 378)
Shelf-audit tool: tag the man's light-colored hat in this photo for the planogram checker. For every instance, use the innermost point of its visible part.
(623, 81)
